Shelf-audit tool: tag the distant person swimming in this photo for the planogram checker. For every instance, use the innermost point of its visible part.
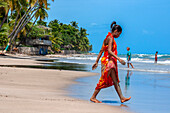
(156, 58)
(109, 68)
(129, 57)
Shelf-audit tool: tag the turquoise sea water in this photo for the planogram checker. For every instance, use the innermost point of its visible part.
(148, 84)
(149, 91)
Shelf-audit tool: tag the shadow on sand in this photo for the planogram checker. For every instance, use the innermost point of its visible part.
(114, 102)
(110, 101)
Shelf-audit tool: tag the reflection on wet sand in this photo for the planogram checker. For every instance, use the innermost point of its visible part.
(123, 105)
(114, 102)
(127, 79)
(51, 64)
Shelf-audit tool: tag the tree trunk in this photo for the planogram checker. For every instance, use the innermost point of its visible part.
(31, 27)
(17, 18)
(20, 26)
(4, 19)
(24, 24)
(21, 20)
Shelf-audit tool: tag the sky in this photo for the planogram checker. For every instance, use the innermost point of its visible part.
(145, 23)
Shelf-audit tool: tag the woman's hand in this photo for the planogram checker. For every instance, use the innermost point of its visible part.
(122, 61)
(94, 66)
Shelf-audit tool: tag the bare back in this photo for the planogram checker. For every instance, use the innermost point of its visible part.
(106, 42)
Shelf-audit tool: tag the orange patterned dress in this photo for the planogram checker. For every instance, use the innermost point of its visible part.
(108, 62)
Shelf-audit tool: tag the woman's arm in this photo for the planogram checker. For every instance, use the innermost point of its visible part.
(98, 57)
(100, 54)
(110, 42)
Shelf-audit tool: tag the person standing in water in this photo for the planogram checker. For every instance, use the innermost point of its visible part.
(156, 58)
(109, 69)
(129, 57)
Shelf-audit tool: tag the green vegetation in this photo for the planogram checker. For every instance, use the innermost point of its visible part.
(22, 19)
(69, 37)
(36, 32)
(4, 35)
(18, 14)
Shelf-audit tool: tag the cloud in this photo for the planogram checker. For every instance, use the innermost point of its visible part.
(147, 32)
(93, 24)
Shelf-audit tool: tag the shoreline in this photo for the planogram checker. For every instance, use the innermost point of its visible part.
(148, 91)
(26, 90)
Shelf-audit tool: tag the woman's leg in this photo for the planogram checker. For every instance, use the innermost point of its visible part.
(93, 98)
(117, 86)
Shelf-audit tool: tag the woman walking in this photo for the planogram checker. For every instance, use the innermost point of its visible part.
(109, 69)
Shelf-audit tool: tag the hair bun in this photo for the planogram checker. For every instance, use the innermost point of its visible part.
(114, 22)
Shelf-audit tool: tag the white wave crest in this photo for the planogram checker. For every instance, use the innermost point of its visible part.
(82, 58)
(146, 70)
(166, 62)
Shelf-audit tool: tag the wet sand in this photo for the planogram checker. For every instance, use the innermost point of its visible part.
(149, 91)
(25, 90)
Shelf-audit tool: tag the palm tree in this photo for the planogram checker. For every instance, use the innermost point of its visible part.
(83, 40)
(71, 36)
(29, 14)
(4, 7)
(74, 24)
(11, 5)
(42, 14)
(4, 34)
(56, 43)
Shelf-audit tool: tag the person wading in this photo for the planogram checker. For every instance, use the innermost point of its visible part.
(109, 69)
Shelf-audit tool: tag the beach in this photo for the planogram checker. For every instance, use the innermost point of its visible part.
(49, 49)
(149, 91)
(64, 83)
(28, 90)
(148, 84)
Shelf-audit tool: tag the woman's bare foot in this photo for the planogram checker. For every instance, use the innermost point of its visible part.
(95, 100)
(125, 99)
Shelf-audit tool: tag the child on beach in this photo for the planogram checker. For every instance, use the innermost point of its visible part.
(156, 58)
(109, 69)
(129, 57)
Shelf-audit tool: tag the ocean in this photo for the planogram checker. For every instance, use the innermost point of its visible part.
(141, 62)
(148, 83)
